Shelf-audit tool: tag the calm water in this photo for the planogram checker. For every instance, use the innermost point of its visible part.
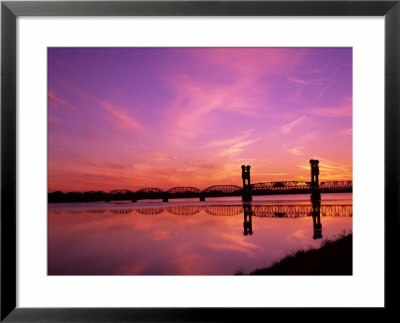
(183, 237)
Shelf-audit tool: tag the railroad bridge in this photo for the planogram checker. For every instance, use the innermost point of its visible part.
(263, 188)
(248, 190)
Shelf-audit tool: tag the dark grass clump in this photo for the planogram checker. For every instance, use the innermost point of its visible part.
(334, 257)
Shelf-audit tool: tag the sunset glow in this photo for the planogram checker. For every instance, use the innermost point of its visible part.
(129, 118)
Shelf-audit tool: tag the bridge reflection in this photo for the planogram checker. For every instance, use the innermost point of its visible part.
(247, 223)
(250, 210)
(313, 209)
(262, 211)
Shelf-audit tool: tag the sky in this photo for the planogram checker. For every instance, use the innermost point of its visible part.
(131, 118)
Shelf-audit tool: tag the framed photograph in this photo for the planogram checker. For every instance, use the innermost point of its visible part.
(162, 159)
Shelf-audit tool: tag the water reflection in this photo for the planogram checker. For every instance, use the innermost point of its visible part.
(259, 210)
(316, 215)
(187, 238)
(281, 210)
(247, 214)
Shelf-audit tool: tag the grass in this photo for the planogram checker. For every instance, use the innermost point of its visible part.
(334, 257)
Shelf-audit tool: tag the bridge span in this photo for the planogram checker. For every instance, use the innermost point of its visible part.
(247, 191)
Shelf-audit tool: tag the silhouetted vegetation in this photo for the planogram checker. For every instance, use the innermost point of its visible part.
(334, 257)
(92, 196)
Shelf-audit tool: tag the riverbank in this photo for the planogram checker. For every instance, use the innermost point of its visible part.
(334, 257)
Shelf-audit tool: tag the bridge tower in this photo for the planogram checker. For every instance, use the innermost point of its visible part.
(247, 225)
(246, 196)
(314, 173)
(316, 195)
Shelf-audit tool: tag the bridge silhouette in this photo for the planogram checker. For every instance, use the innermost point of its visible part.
(247, 191)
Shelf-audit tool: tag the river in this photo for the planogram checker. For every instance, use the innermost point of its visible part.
(220, 236)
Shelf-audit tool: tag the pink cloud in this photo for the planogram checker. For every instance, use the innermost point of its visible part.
(296, 150)
(197, 99)
(307, 82)
(287, 128)
(250, 62)
(322, 92)
(120, 118)
(311, 136)
(340, 111)
(226, 142)
(192, 109)
(236, 148)
(158, 156)
(56, 102)
(345, 132)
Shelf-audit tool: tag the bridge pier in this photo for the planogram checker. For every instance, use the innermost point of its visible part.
(165, 199)
(246, 195)
(202, 198)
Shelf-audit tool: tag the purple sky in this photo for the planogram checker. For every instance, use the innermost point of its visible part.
(163, 117)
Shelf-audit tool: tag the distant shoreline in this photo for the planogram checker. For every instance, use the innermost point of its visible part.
(334, 257)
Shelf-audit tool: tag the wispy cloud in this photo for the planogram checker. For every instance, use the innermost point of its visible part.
(114, 113)
(226, 142)
(309, 137)
(159, 156)
(121, 119)
(339, 111)
(307, 82)
(322, 92)
(287, 128)
(237, 147)
(345, 132)
(231, 146)
(296, 150)
(56, 102)
(193, 109)
(198, 102)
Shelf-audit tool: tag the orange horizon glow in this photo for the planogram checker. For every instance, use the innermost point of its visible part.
(131, 118)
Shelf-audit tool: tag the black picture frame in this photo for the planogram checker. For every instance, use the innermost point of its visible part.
(10, 10)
